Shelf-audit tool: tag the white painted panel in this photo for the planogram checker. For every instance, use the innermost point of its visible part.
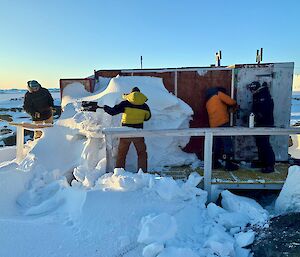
(279, 76)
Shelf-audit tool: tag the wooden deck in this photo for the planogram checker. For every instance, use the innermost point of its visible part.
(244, 178)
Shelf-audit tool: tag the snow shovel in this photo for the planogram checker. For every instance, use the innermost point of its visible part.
(89, 106)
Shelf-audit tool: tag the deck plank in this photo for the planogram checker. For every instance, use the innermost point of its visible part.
(243, 175)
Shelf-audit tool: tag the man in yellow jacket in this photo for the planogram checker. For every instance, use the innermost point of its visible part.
(217, 104)
(135, 112)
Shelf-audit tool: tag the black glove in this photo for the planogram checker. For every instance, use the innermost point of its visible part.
(106, 108)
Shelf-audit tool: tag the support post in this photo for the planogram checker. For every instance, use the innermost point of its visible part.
(109, 158)
(20, 143)
(232, 94)
(208, 142)
(175, 83)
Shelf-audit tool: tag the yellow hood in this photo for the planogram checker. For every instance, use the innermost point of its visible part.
(136, 98)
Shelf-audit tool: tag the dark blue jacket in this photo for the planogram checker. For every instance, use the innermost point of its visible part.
(40, 102)
(263, 107)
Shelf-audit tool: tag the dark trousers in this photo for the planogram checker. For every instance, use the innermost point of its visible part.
(140, 146)
(266, 154)
(223, 146)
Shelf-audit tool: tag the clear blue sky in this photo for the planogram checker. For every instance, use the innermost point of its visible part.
(52, 39)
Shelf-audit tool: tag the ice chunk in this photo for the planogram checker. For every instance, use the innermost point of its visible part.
(178, 252)
(214, 211)
(153, 249)
(247, 206)
(245, 238)
(241, 252)
(158, 228)
(233, 219)
(220, 242)
(289, 197)
(167, 188)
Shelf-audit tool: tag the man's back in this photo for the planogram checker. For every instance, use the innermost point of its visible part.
(134, 108)
(217, 109)
(39, 101)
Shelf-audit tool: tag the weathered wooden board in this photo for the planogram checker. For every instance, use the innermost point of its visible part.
(241, 176)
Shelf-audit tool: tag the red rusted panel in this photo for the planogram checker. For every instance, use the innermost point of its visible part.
(191, 88)
(107, 73)
(168, 78)
(88, 84)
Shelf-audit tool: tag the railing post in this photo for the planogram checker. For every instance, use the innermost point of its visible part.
(19, 143)
(109, 158)
(208, 142)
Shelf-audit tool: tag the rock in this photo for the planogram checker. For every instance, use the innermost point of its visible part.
(282, 238)
(6, 117)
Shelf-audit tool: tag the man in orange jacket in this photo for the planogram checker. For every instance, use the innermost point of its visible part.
(217, 104)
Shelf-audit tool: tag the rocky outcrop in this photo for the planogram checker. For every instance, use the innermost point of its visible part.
(281, 238)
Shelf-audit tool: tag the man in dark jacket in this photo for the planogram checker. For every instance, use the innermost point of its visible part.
(262, 108)
(38, 102)
(135, 112)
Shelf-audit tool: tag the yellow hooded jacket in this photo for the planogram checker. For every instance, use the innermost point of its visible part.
(134, 108)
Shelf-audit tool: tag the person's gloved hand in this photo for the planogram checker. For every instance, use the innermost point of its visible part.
(37, 115)
(233, 108)
(106, 108)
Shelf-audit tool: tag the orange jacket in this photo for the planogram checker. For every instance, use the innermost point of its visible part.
(217, 111)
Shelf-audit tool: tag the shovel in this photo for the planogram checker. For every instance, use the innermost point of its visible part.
(89, 106)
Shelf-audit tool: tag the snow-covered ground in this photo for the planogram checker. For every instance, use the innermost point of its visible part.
(44, 211)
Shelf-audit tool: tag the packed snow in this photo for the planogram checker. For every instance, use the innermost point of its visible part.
(58, 201)
(289, 198)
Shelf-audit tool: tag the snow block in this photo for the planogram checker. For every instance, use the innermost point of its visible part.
(244, 205)
(244, 239)
(158, 228)
(289, 197)
(153, 249)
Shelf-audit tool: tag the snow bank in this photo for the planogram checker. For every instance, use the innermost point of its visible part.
(289, 197)
(72, 92)
(7, 153)
(102, 84)
(167, 112)
(138, 214)
(12, 184)
(157, 229)
(120, 213)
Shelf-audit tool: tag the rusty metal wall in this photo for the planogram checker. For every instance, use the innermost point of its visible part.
(190, 87)
(87, 83)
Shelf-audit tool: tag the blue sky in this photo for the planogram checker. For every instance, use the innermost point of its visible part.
(49, 40)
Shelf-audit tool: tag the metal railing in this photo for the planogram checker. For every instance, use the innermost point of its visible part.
(208, 134)
(20, 135)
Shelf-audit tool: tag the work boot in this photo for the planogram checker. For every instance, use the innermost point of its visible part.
(256, 164)
(231, 166)
(269, 169)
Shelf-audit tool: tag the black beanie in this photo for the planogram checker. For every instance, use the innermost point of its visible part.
(135, 89)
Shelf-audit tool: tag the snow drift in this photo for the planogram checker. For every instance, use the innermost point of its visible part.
(167, 112)
(119, 213)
